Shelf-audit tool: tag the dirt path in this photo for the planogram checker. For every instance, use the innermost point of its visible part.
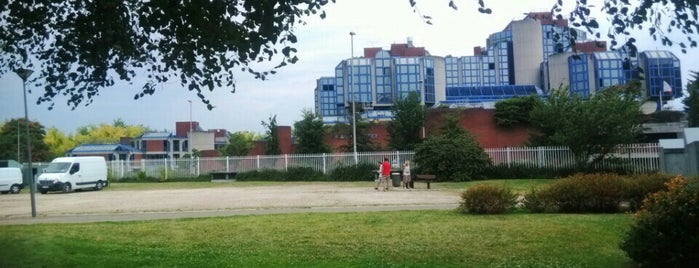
(92, 206)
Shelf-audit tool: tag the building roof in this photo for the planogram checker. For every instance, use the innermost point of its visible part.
(156, 135)
(102, 148)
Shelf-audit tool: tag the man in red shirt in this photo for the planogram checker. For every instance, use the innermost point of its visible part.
(386, 174)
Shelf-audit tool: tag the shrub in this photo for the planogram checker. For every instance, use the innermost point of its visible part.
(303, 174)
(263, 175)
(517, 171)
(486, 199)
(580, 193)
(641, 185)
(594, 193)
(360, 172)
(455, 157)
(665, 232)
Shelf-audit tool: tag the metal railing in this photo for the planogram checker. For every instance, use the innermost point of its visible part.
(638, 158)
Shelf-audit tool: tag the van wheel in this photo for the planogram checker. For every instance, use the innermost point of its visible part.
(66, 187)
(43, 192)
(99, 186)
(15, 189)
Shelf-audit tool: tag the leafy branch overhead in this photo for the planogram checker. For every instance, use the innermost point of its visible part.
(79, 47)
(660, 18)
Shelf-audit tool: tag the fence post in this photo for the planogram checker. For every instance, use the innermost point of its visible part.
(198, 166)
(258, 163)
(324, 165)
(508, 156)
(539, 157)
(228, 168)
(166, 168)
(286, 162)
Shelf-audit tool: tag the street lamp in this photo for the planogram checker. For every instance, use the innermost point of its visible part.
(24, 74)
(354, 120)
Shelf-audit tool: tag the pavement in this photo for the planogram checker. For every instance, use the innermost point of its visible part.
(142, 205)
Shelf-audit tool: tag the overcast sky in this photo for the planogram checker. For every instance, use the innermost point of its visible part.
(322, 45)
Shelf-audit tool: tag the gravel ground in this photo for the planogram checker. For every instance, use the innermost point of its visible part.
(94, 206)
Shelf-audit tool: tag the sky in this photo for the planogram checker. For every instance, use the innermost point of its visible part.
(323, 43)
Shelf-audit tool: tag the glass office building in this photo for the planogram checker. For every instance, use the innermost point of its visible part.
(529, 56)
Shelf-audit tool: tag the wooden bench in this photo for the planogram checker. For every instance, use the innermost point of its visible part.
(222, 175)
(426, 178)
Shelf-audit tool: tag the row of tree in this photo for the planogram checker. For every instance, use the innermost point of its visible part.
(51, 143)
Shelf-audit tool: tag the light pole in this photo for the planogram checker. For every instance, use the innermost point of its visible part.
(189, 139)
(24, 74)
(354, 115)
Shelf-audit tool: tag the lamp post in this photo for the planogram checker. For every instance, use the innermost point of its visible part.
(189, 139)
(354, 115)
(24, 74)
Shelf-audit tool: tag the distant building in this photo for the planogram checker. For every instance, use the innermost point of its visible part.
(188, 136)
(108, 151)
(529, 56)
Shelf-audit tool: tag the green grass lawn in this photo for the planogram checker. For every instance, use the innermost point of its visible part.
(366, 239)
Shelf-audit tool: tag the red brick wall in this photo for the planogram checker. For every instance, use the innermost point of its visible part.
(481, 124)
(155, 146)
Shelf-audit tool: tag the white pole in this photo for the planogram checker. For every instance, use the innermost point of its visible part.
(354, 120)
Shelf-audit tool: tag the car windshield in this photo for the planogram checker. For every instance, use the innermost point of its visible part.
(58, 167)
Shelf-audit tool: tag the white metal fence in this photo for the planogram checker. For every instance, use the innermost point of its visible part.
(634, 158)
(639, 158)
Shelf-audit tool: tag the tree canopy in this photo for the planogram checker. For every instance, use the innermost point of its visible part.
(591, 128)
(13, 143)
(239, 144)
(310, 134)
(659, 18)
(272, 136)
(691, 103)
(408, 119)
(79, 47)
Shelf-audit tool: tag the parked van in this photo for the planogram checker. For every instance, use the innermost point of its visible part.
(73, 173)
(11, 180)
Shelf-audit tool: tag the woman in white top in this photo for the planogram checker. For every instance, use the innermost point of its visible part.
(406, 174)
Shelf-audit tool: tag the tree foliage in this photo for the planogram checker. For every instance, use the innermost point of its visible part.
(453, 154)
(58, 142)
(515, 111)
(310, 134)
(364, 143)
(659, 18)
(272, 136)
(590, 128)
(239, 144)
(11, 145)
(92, 44)
(408, 119)
(107, 134)
(691, 103)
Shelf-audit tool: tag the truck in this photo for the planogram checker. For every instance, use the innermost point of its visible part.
(11, 180)
(74, 173)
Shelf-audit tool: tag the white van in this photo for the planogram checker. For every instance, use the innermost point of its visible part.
(73, 173)
(11, 180)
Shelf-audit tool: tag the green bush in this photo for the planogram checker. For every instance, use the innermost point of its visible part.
(486, 199)
(594, 193)
(303, 174)
(360, 172)
(515, 171)
(263, 175)
(452, 157)
(641, 185)
(665, 232)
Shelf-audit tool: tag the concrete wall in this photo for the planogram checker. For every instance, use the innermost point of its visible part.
(528, 51)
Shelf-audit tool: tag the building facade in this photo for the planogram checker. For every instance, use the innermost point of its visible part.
(529, 56)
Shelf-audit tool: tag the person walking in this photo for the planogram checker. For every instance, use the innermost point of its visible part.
(378, 176)
(386, 174)
(406, 174)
